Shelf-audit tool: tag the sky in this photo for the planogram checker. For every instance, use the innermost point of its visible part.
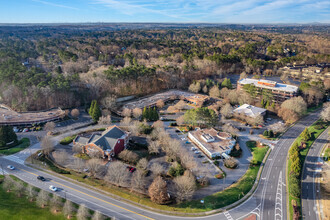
(178, 11)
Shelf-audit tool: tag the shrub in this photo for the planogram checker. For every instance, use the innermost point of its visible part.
(67, 140)
(176, 170)
(219, 176)
(265, 133)
(230, 163)
(271, 133)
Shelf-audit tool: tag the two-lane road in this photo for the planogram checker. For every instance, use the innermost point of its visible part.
(310, 171)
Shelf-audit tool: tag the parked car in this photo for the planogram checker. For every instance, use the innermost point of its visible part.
(193, 148)
(200, 156)
(260, 126)
(41, 178)
(15, 129)
(11, 167)
(187, 142)
(25, 130)
(183, 139)
(53, 188)
(197, 152)
(269, 119)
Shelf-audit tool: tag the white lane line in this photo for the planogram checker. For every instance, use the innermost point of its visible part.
(278, 201)
(228, 216)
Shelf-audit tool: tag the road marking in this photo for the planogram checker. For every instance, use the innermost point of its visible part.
(228, 216)
(278, 201)
(94, 197)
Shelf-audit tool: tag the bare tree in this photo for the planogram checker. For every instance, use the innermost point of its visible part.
(129, 156)
(187, 160)
(31, 193)
(157, 169)
(180, 120)
(95, 154)
(125, 121)
(243, 75)
(227, 111)
(325, 114)
(158, 191)
(138, 181)
(47, 145)
(180, 105)
(75, 113)
(8, 183)
(93, 166)
(214, 92)
(224, 92)
(195, 87)
(109, 102)
(49, 126)
(61, 157)
(230, 129)
(56, 203)
(42, 198)
(98, 216)
(160, 103)
(127, 112)
(230, 163)
(153, 147)
(117, 174)
(185, 187)
(137, 112)
(171, 109)
(78, 164)
(143, 165)
(68, 209)
(83, 212)
(19, 188)
(104, 120)
(296, 104)
(77, 148)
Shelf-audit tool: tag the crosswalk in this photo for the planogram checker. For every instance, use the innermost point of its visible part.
(15, 159)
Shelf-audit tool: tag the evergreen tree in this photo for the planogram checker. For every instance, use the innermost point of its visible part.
(144, 113)
(296, 166)
(96, 114)
(91, 108)
(266, 134)
(7, 135)
(226, 83)
(262, 103)
(294, 148)
(271, 133)
(267, 104)
(273, 106)
(305, 135)
(155, 114)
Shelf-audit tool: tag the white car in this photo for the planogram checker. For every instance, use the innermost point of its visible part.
(193, 148)
(197, 152)
(11, 167)
(52, 188)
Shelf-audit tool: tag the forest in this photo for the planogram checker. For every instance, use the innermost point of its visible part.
(70, 65)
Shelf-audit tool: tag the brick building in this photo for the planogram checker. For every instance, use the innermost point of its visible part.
(110, 143)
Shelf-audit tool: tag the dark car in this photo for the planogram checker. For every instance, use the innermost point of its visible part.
(41, 178)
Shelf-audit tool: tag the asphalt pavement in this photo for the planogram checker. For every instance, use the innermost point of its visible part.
(268, 201)
(311, 170)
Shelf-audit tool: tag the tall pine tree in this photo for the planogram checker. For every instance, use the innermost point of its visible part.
(7, 135)
(91, 108)
(96, 114)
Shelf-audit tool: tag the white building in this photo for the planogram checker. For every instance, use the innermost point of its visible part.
(250, 110)
(211, 142)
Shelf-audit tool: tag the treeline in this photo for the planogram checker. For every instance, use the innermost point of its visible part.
(81, 65)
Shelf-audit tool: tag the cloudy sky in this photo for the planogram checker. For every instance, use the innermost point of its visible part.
(211, 11)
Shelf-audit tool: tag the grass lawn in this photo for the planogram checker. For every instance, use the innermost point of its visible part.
(22, 144)
(214, 201)
(315, 129)
(14, 208)
(327, 152)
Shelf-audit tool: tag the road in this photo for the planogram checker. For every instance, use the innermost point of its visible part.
(268, 201)
(310, 171)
